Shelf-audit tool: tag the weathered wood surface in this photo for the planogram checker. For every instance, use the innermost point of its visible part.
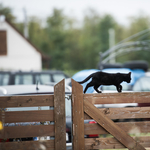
(111, 127)
(28, 116)
(77, 116)
(59, 116)
(115, 98)
(28, 145)
(112, 143)
(123, 113)
(26, 101)
(129, 127)
(27, 131)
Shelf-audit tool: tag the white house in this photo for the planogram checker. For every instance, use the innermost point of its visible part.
(16, 52)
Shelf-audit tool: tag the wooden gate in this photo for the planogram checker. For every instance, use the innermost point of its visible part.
(83, 108)
(58, 129)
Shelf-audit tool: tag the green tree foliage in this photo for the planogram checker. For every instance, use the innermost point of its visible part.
(137, 24)
(7, 12)
(57, 38)
(105, 24)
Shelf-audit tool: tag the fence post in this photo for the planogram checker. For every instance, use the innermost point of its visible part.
(59, 116)
(77, 116)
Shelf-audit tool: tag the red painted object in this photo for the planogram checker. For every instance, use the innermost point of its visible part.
(2, 140)
(93, 135)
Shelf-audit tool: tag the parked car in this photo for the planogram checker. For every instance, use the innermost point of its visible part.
(30, 77)
(34, 90)
(142, 85)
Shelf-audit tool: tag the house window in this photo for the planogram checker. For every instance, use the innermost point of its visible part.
(3, 43)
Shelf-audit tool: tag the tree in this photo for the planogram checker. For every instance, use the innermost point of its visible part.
(105, 24)
(137, 24)
(57, 38)
(7, 12)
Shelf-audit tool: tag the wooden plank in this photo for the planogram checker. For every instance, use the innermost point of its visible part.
(112, 143)
(60, 117)
(28, 145)
(124, 113)
(77, 116)
(26, 101)
(111, 127)
(28, 116)
(129, 127)
(27, 131)
(114, 98)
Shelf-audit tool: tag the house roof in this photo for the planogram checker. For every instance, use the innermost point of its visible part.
(44, 57)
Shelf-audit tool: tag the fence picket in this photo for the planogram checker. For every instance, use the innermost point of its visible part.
(59, 116)
(77, 116)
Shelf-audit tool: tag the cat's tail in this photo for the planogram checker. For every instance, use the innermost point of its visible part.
(86, 79)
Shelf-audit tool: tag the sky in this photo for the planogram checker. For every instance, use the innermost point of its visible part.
(121, 10)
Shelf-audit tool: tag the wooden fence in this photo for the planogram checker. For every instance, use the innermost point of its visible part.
(83, 108)
(57, 115)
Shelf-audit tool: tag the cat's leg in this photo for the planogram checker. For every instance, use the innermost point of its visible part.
(87, 86)
(96, 89)
(119, 88)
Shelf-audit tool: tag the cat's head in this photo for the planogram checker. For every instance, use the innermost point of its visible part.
(128, 77)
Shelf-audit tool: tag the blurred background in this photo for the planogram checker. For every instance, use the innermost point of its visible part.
(73, 35)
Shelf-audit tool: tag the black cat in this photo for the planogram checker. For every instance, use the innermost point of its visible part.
(103, 78)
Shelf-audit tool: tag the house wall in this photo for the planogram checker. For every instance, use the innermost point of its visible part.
(21, 55)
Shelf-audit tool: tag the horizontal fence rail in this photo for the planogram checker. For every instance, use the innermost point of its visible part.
(28, 116)
(116, 98)
(129, 127)
(26, 101)
(124, 113)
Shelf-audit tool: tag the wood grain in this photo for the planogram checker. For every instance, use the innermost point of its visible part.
(26, 101)
(59, 115)
(112, 143)
(116, 98)
(28, 145)
(129, 127)
(28, 116)
(111, 127)
(27, 131)
(124, 113)
(77, 116)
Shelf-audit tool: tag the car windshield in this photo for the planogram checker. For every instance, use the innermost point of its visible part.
(23, 79)
(58, 77)
(43, 78)
(4, 78)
